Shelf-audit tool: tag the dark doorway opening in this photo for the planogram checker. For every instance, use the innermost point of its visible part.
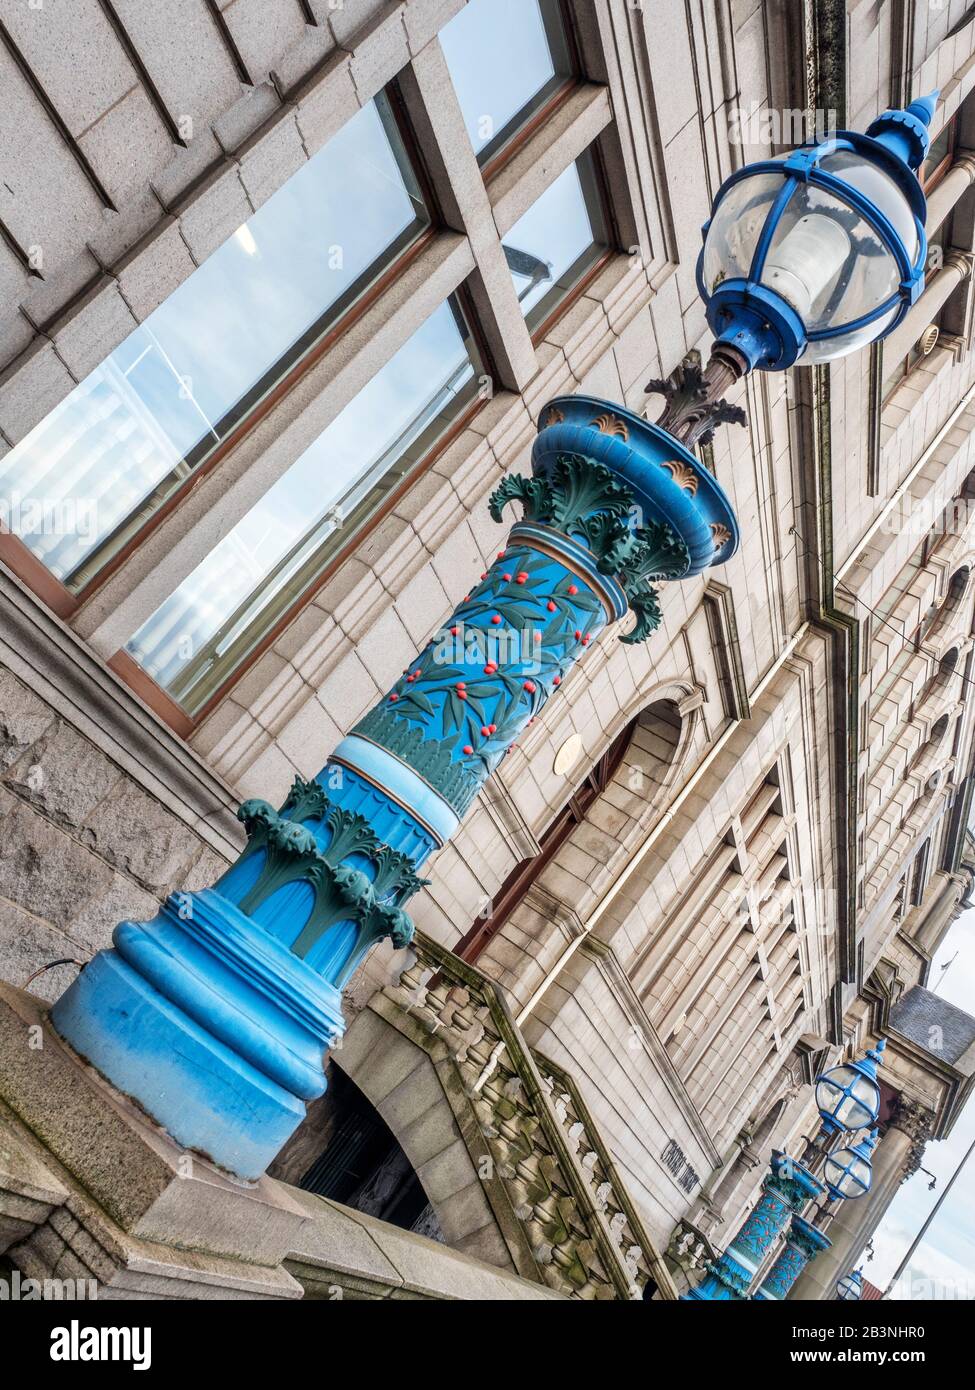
(363, 1167)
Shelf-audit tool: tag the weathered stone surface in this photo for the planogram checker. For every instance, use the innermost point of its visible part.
(135, 833)
(43, 870)
(367, 1258)
(23, 719)
(26, 944)
(123, 901)
(205, 871)
(63, 775)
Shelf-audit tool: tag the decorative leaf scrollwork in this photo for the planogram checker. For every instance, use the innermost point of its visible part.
(581, 487)
(645, 605)
(534, 494)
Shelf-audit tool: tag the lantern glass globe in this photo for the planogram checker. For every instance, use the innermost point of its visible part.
(735, 228)
(848, 1173)
(818, 251)
(847, 1097)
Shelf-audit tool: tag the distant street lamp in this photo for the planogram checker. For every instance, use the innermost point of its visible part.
(849, 1289)
(847, 1171)
(848, 1095)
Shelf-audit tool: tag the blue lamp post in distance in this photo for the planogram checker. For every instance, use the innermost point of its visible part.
(848, 1095)
(847, 1170)
(827, 1172)
(849, 1289)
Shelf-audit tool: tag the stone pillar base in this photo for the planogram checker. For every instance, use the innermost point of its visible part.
(91, 1189)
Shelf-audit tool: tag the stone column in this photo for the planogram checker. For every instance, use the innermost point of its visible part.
(803, 1244)
(215, 1016)
(895, 1158)
(785, 1192)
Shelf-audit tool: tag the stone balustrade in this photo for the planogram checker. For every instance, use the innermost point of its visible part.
(550, 1170)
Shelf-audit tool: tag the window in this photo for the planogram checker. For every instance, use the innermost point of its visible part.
(521, 878)
(279, 552)
(507, 60)
(126, 439)
(939, 156)
(552, 249)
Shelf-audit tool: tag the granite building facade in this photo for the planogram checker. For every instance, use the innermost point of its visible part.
(285, 289)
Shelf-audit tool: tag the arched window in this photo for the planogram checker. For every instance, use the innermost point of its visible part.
(523, 875)
(652, 739)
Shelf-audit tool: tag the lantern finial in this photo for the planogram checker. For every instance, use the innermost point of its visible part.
(905, 133)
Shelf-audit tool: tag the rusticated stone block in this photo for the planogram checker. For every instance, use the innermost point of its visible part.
(124, 901)
(42, 870)
(63, 775)
(204, 872)
(135, 833)
(23, 719)
(27, 944)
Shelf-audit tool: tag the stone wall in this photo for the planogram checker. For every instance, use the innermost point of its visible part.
(102, 812)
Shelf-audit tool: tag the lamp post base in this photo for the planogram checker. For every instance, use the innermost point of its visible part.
(222, 1026)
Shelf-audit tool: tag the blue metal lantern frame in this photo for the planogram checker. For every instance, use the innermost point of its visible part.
(865, 1066)
(777, 336)
(857, 1153)
(850, 1288)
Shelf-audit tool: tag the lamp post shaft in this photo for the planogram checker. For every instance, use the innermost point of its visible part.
(215, 1015)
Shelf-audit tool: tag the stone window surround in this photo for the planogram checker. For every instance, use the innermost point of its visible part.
(115, 610)
(585, 112)
(948, 192)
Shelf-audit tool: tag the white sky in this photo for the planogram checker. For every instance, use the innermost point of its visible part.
(943, 1266)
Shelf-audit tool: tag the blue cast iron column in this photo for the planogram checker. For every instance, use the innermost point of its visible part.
(803, 1243)
(215, 1015)
(785, 1191)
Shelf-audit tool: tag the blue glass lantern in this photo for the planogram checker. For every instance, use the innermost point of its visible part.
(848, 1172)
(848, 1096)
(813, 254)
(850, 1287)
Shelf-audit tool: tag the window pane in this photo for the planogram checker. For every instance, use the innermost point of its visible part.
(940, 148)
(132, 431)
(222, 610)
(506, 58)
(557, 241)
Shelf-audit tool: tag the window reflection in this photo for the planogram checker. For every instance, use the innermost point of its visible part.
(138, 426)
(938, 159)
(506, 59)
(558, 240)
(220, 613)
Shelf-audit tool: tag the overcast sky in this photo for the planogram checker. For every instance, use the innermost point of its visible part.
(943, 1266)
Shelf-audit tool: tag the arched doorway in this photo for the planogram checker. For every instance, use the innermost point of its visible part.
(362, 1165)
(649, 743)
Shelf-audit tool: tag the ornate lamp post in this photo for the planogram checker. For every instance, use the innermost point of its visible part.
(215, 1015)
(785, 1191)
(849, 1289)
(803, 1244)
(847, 1170)
(848, 1098)
(806, 257)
